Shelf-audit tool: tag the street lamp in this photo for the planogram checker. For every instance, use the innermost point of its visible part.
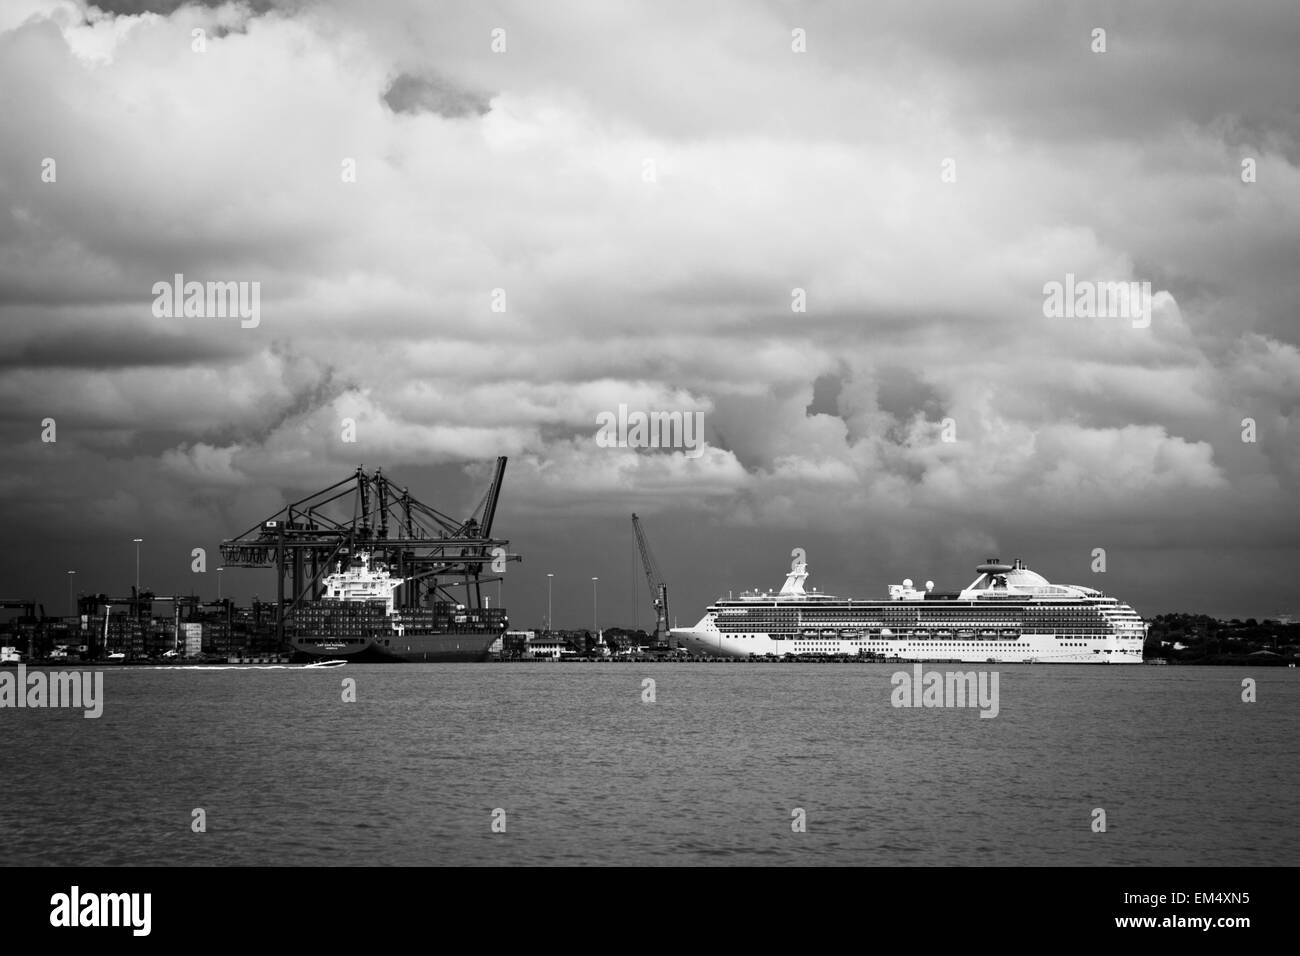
(136, 605)
(593, 604)
(137, 575)
(72, 605)
(550, 625)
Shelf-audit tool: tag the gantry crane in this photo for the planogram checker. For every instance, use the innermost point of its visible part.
(658, 587)
(432, 551)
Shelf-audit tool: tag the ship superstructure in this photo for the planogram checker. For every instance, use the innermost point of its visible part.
(1007, 614)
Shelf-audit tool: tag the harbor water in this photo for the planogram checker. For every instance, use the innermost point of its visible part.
(447, 764)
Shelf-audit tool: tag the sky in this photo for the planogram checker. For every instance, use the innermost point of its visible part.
(826, 227)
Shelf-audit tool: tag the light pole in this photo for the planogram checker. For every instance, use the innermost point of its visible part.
(550, 625)
(72, 605)
(137, 575)
(593, 606)
(219, 570)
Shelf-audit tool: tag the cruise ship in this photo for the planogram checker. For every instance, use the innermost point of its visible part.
(1009, 614)
(357, 620)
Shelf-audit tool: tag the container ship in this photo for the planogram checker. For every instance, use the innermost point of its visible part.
(1009, 614)
(356, 620)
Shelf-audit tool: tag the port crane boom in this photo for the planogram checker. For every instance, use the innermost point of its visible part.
(658, 587)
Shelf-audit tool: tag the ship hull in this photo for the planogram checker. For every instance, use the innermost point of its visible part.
(449, 647)
(708, 641)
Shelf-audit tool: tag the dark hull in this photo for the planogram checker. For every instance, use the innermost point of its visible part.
(466, 646)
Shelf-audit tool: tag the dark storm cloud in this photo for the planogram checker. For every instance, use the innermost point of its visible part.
(411, 93)
(111, 348)
(314, 393)
(1031, 66)
(826, 395)
(775, 170)
(903, 394)
(164, 7)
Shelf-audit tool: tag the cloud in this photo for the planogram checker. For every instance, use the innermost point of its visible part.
(625, 218)
(433, 94)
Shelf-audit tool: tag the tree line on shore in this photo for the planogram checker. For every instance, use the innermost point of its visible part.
(1201, 639)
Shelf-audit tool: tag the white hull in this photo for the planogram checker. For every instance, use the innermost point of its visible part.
(707, 640)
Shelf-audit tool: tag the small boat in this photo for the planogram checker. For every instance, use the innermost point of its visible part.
(325, 664)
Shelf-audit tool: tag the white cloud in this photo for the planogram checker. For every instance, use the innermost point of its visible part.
(770, 173)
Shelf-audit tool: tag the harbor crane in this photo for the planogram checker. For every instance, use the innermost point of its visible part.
(431, 551)
(658, 587)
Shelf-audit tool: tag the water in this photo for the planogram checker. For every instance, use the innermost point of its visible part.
(287, 773)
